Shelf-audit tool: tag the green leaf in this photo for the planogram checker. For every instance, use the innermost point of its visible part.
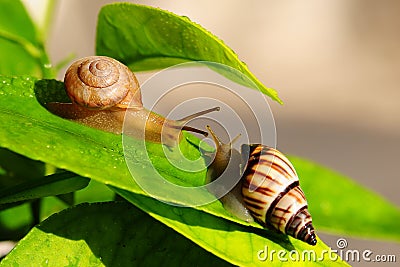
(49, 206)
(51, 185)
(29, 129)
(19, 50)
(147, 38)
(15, 222)
(18, 169)
(237, 244)
(94, 192)
(68, 145)
(341, 206)
(106, 234)
(15, 20)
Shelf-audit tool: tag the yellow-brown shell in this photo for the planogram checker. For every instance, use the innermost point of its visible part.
(100, 82)
(272, 193)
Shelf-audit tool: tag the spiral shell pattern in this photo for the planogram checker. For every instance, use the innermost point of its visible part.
(100, 82)
(272, 193)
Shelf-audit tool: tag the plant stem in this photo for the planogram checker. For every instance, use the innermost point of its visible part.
(48, 18)
(37, 52)
(28, 46)
(47, 70)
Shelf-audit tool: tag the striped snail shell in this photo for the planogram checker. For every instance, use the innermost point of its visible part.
(270, 190)
(99, 82)
(272, 193)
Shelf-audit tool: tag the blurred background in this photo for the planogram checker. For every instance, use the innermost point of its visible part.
(335, 64)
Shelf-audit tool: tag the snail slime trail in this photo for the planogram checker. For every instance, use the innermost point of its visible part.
(268, 189)
(103, 90)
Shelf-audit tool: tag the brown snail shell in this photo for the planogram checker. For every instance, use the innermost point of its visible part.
(99, 82)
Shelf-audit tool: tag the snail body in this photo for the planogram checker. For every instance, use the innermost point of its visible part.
(105, 94)
(270, 190)
(226, 167)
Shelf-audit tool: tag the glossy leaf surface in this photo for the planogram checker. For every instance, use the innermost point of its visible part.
(85, 234)
(147, 38)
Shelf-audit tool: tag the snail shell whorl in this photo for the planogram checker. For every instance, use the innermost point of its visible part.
(100, 82)
(272, 193)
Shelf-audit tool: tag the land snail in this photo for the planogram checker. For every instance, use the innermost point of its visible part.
(268, 190)
(105, 94)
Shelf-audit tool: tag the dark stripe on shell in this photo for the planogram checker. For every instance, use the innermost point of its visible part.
(255, 200)
(283, 210)
(286, 162)
(253, 171)
(289, 223)
(254, 209)
(278, 198)
(259, 189)
(295, 195)
(275, 165)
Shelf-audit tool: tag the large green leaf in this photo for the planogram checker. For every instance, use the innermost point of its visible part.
(29, 129)
(16, 222)
(147, 38)
(106, 234)
(238, 244)
(94, 192)
(18, 169)
(21, 52)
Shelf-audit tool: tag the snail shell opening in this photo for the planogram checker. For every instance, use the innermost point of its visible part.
(100, 82)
